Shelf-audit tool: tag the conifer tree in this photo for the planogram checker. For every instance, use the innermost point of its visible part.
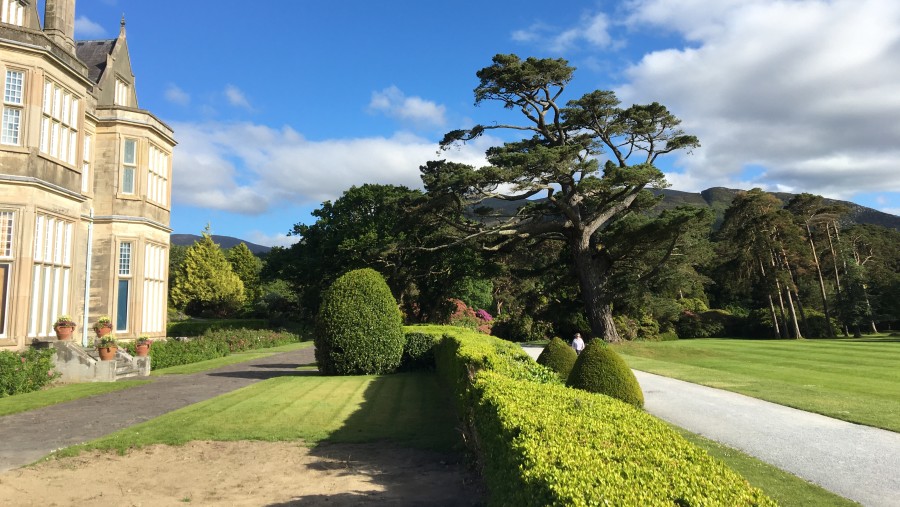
(206, 283)
(247, 267)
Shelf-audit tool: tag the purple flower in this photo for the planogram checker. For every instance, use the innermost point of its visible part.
(484, 315)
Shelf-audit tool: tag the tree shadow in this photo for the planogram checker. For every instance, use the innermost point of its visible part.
(401, 447)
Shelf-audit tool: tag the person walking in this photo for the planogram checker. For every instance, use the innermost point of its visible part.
(578, 343)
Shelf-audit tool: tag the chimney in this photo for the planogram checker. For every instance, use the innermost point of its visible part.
(59, 22)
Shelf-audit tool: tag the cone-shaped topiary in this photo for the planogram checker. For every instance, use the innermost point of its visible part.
(559, 357)
(600, 370)
(359, 330)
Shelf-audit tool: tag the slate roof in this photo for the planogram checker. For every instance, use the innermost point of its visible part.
(93, 53)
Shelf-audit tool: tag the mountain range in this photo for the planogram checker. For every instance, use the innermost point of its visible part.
(717, 198)
(224, 242)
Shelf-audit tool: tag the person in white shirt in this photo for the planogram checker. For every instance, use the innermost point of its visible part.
(578, 343)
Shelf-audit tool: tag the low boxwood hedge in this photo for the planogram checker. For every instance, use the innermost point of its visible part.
(541, 443)
(213, 344)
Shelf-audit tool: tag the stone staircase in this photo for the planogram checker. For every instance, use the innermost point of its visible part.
(81, 364)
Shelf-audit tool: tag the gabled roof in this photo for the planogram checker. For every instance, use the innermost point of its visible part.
(94, 53)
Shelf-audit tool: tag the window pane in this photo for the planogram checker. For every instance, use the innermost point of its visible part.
(130, 150)
(125, 259)
(122, 306)
(11, 118)
(14, 82)
(128, 181)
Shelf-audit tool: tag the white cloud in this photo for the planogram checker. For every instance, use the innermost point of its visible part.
(176, 95)
(236, 97)
(249, 168)
(87, 29)
(414, 110)
(592, 29)
(805, 89)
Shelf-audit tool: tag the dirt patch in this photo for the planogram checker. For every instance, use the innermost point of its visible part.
(247, 474)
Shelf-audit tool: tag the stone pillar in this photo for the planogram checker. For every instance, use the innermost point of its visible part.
(59, 23)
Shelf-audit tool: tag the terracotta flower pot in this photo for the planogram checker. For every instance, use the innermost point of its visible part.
(107, 353)
(103, 331)
(64, 333)
(142, 349)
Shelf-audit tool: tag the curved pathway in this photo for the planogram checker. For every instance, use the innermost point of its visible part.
(857, 462)
(29, 436)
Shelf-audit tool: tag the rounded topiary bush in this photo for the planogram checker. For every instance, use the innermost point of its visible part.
(359, 329)
(559, 357)
(600, 370)
(418, 352)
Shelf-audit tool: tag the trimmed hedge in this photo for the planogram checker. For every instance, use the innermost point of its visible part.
(24, 372)
(359, 330)
(559, 357)
(541, 443)
(200, 327)
(213, 344)
(600, 370)
(418, 352)
(550, 445)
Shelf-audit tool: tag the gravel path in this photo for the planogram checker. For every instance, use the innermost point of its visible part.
(37, 433)
(857, 462)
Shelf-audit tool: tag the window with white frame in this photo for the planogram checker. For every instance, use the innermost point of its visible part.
(51, 276)
(13, 12)
(59, 123)
(158, 176)
(154, 316)
(86, 164)
(124, 286)
(122, 93)
(13, 102)
(7, 220)
(129, 166)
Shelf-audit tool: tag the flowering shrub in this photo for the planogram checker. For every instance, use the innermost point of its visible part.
(464, 316)
(23, 372)
(484, 315)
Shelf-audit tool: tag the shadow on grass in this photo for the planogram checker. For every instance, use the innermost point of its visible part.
(402, 447)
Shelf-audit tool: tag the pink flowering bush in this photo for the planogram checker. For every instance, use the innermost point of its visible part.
(464, 316)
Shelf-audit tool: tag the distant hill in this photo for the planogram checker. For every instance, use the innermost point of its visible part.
(223, 241)
(719, 199)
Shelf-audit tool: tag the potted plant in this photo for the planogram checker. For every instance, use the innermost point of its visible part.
(142, 346)
(64, 327)
(107, 347)
(103, 326)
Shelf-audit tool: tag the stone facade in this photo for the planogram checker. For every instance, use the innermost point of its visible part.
(85, 183)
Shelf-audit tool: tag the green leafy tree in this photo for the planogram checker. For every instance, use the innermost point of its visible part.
(380, 227)
(247, 267)
(561, 161)
(206, 284)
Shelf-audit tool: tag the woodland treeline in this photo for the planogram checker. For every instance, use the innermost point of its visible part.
(561, 232)
(769, 271)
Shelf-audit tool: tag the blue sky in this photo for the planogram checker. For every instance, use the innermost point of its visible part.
(279, 105)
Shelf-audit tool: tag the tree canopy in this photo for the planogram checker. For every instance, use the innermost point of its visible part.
(206, 283)
(560, 161)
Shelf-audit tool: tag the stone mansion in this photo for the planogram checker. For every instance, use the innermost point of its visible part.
(85, 183)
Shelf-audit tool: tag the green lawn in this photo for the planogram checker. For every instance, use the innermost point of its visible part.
(408, 409)
(857, 380)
